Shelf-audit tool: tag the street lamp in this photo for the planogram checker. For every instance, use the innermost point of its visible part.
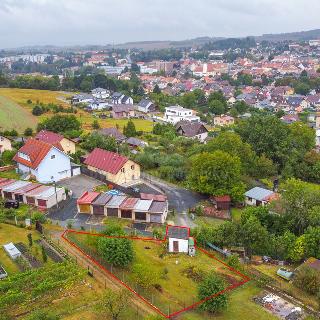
(55, 191)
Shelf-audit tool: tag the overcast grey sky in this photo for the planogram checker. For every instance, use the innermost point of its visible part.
(70, 22)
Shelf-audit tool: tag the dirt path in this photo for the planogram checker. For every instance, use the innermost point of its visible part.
(104, 278)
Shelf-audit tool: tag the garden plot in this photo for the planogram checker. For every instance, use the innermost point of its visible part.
(166, 282)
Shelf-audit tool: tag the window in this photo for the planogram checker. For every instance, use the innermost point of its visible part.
(132, 167)
(122, 170)
(53, 156)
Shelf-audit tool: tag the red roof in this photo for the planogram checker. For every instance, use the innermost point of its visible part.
(106, 160)
(88, 197)
(36, 150)
(155, 197)
(49, 137)
(129, 203)
(225, 198)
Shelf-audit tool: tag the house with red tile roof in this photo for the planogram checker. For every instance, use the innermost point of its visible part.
(67, 145)
(115, 167)
(44, 161)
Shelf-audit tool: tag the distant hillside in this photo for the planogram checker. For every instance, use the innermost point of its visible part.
(291, 36)
(154, 45)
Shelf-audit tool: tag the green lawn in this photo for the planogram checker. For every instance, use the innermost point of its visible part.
(13, 116)
(241, 307)
(177, 288)
(236, 214)
(208, 221)
(9, 233)
(11, 174)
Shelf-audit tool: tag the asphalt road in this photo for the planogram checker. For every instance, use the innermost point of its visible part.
(180, 199)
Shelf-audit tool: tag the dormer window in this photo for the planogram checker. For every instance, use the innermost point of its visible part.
(23, 156)
(53, 156)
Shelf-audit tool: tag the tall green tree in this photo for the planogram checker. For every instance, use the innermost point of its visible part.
(216, 173)
(130, 129)
(211, 285)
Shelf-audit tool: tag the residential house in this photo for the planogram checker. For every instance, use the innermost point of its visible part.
(174, 114)
(193, 130)
(120, 98)
(43, 161)
(5, 144)
(146, 106)
(100, 93)
(259, 196)
(67, 145)
(115, 167)
(121, 111)
(98, 104)
(114, 133)
(223, 120)
(82, 98)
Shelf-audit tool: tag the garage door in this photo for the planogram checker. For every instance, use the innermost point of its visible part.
(7, 195)
(19, 197)
(127, 214)
(142, 216)
(98, 210)
(42, 203)
(112, 212)
(156, 218)
(30, 200)
(84, 208)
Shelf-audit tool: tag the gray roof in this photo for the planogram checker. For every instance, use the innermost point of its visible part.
(144, 103)
(190, 129)
(143, 205)
(113, 132)
(116, 201)
(178, 232)
(136, 142)
(102, 199)
(14, 186)
(117, 95)
(158, 207)
(258, 193)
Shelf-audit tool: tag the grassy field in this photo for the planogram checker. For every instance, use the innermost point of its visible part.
(172, 272)
(21, 96)
(9, 233)
(15, 112)
(13, 116)
(87, 120)
(208, 221)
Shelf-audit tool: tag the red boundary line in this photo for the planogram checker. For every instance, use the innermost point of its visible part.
(229, 288)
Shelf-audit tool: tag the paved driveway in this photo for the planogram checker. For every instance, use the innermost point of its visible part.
(180, 199)
(79, 184)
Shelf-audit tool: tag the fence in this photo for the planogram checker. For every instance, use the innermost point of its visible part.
(102, 178)
(153, 295)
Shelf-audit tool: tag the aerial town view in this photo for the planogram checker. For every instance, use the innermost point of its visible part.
(159, 160)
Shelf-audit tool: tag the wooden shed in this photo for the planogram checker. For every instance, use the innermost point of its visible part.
(222, 202)
(99, 204)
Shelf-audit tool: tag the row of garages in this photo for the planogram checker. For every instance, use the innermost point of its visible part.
(35, 194)
(147, 208)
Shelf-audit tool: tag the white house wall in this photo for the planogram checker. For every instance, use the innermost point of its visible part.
(183, 245)
(53, 169)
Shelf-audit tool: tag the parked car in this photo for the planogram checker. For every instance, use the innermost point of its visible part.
(11, 204)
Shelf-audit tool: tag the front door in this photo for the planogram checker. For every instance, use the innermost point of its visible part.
(175, 246)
